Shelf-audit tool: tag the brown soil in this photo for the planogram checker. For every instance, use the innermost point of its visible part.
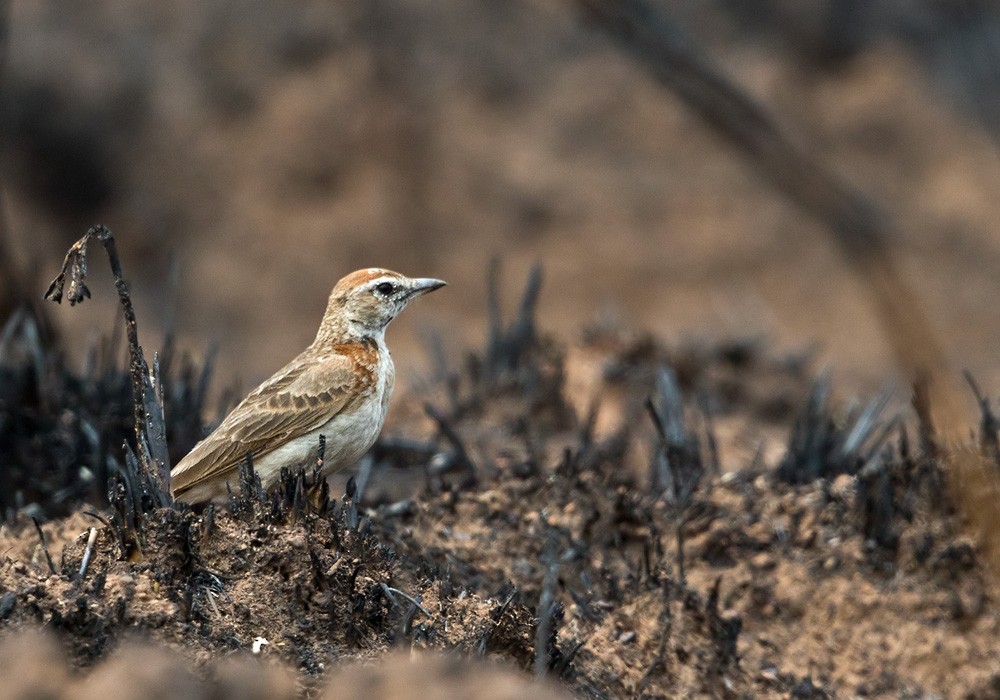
(857, 584)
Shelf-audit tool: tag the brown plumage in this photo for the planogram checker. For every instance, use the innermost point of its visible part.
(338, 387)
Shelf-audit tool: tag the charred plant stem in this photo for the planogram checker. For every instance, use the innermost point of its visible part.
(45, 546)
(150, 439)
(988, 423)
(485, 640)
(391, 594)
(91, 539)
(546, 611)
(462, 456)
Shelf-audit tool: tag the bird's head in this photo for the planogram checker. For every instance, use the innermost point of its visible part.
(364, 302)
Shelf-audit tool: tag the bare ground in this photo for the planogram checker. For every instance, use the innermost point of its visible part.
(729, 580)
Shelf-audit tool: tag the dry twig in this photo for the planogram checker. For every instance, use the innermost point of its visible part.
(150, 430)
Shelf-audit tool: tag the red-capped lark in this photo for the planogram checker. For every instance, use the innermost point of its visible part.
(338, 387)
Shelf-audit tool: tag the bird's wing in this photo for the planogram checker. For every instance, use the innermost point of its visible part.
(299, 398)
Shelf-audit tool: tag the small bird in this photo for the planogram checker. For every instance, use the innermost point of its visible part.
(338, 387)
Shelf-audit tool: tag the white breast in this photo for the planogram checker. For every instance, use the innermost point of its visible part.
(349, 434)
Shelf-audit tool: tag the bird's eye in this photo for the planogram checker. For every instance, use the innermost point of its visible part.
(385, 289)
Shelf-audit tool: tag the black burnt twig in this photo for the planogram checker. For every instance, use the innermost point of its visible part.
(988, 423)
(185, 392)
(821, 447)
(711, 443)
(250, 494)
(125, 494)
(506, 348)
(545, 632)
(926, 430)
(677, 467)
(301, 490)
(725, 631)
(208, 521)
(460, 459)
(45, 546)
(150, 430)
(562, 667)
(349, 510)
(321, 452)
(496, 615)
(875, 503)
(811, 439)
(23, 328)
(391, 594)
(403, 452)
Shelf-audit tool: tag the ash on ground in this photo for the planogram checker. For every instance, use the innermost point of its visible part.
(622, 518)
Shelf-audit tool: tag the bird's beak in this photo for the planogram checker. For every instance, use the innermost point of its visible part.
(422, 285)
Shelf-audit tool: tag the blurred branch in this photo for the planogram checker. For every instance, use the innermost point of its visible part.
(860, 228)
(858, 225)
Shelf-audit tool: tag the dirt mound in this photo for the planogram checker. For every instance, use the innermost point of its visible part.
(628, 518)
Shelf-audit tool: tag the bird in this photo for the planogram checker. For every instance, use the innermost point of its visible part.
(338, 387)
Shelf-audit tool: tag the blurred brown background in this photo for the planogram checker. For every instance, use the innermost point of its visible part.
(249, 153)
